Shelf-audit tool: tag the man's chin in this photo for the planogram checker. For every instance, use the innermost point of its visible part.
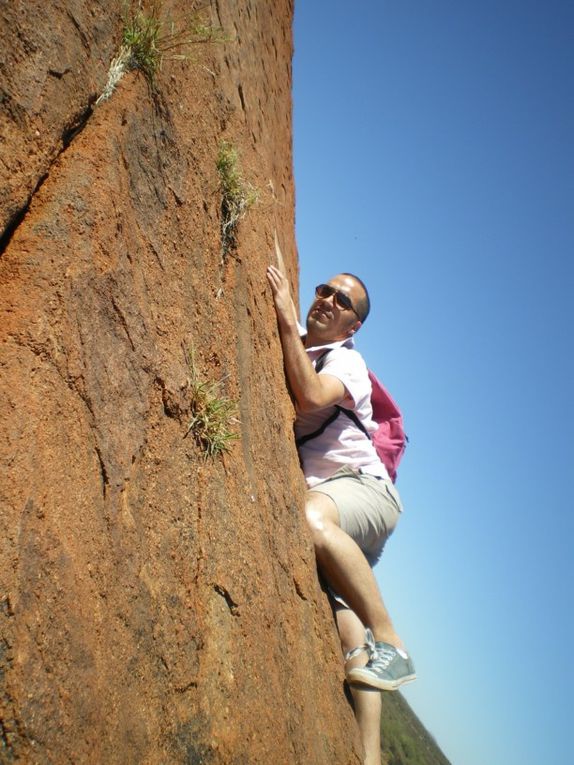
(317, 323)
(319, 319)
(321, 330)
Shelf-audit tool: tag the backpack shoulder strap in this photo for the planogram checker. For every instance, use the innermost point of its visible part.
(353, 416)
(320, 363)
(303, 439)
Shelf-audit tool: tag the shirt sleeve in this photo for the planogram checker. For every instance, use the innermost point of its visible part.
(348, 366)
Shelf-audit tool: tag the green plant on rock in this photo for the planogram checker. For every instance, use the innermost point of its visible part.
(148, 39)
(212, 414)
(237, 195)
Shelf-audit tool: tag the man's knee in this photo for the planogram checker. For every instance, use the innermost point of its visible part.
(321, 513)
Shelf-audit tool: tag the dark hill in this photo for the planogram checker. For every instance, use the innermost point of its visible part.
(405, 740)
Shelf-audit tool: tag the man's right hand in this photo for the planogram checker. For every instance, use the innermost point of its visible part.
(284, 305)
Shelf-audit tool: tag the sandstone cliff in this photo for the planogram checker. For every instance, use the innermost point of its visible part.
(156, 607)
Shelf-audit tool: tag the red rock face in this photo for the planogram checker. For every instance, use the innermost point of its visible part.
(52, 58)
(157, 607)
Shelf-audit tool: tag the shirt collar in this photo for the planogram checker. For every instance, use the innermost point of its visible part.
(348, 342)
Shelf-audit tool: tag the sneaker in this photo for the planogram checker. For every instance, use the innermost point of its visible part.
(387, 668)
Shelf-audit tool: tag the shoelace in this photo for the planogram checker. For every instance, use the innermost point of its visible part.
(384, 657)
(369, 647)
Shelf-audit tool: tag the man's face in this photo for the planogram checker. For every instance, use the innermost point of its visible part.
(327, 320)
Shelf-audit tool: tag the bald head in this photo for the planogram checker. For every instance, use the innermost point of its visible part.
(363, 305)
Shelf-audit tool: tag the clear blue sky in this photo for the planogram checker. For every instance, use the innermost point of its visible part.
(434, 158)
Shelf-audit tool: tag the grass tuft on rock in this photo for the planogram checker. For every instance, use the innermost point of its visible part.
(212, 414)
(237, 195)
(149, 38)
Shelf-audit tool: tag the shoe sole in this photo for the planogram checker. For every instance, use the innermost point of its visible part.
(360, 677)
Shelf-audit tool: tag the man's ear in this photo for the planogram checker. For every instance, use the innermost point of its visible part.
(356, 328)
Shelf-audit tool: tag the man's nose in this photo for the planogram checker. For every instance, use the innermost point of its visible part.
(329, 299)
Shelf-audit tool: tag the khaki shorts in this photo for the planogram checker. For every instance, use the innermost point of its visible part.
(369, 508)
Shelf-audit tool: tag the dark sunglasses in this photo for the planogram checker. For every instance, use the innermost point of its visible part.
(342, 300)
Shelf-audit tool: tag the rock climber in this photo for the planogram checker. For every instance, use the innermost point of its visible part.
(351, 506)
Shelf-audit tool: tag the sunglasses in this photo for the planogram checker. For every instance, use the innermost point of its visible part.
(342, 300)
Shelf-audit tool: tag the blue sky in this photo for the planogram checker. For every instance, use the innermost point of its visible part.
(434, 158)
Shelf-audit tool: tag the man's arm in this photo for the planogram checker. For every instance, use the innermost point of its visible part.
(311, 391)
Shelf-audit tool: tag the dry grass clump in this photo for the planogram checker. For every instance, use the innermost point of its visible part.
(237, 195)
(212, 414)
(148, 39)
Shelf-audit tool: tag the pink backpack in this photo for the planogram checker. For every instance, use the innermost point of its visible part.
(389, 440)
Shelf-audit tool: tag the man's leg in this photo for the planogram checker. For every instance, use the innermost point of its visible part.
(345, 568)
(367, 701)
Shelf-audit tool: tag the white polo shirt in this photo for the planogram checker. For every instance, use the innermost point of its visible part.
(342, 443)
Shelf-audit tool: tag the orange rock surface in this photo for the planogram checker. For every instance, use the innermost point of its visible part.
(156, 606)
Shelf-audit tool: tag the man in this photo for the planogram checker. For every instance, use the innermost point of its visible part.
(351, 506)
